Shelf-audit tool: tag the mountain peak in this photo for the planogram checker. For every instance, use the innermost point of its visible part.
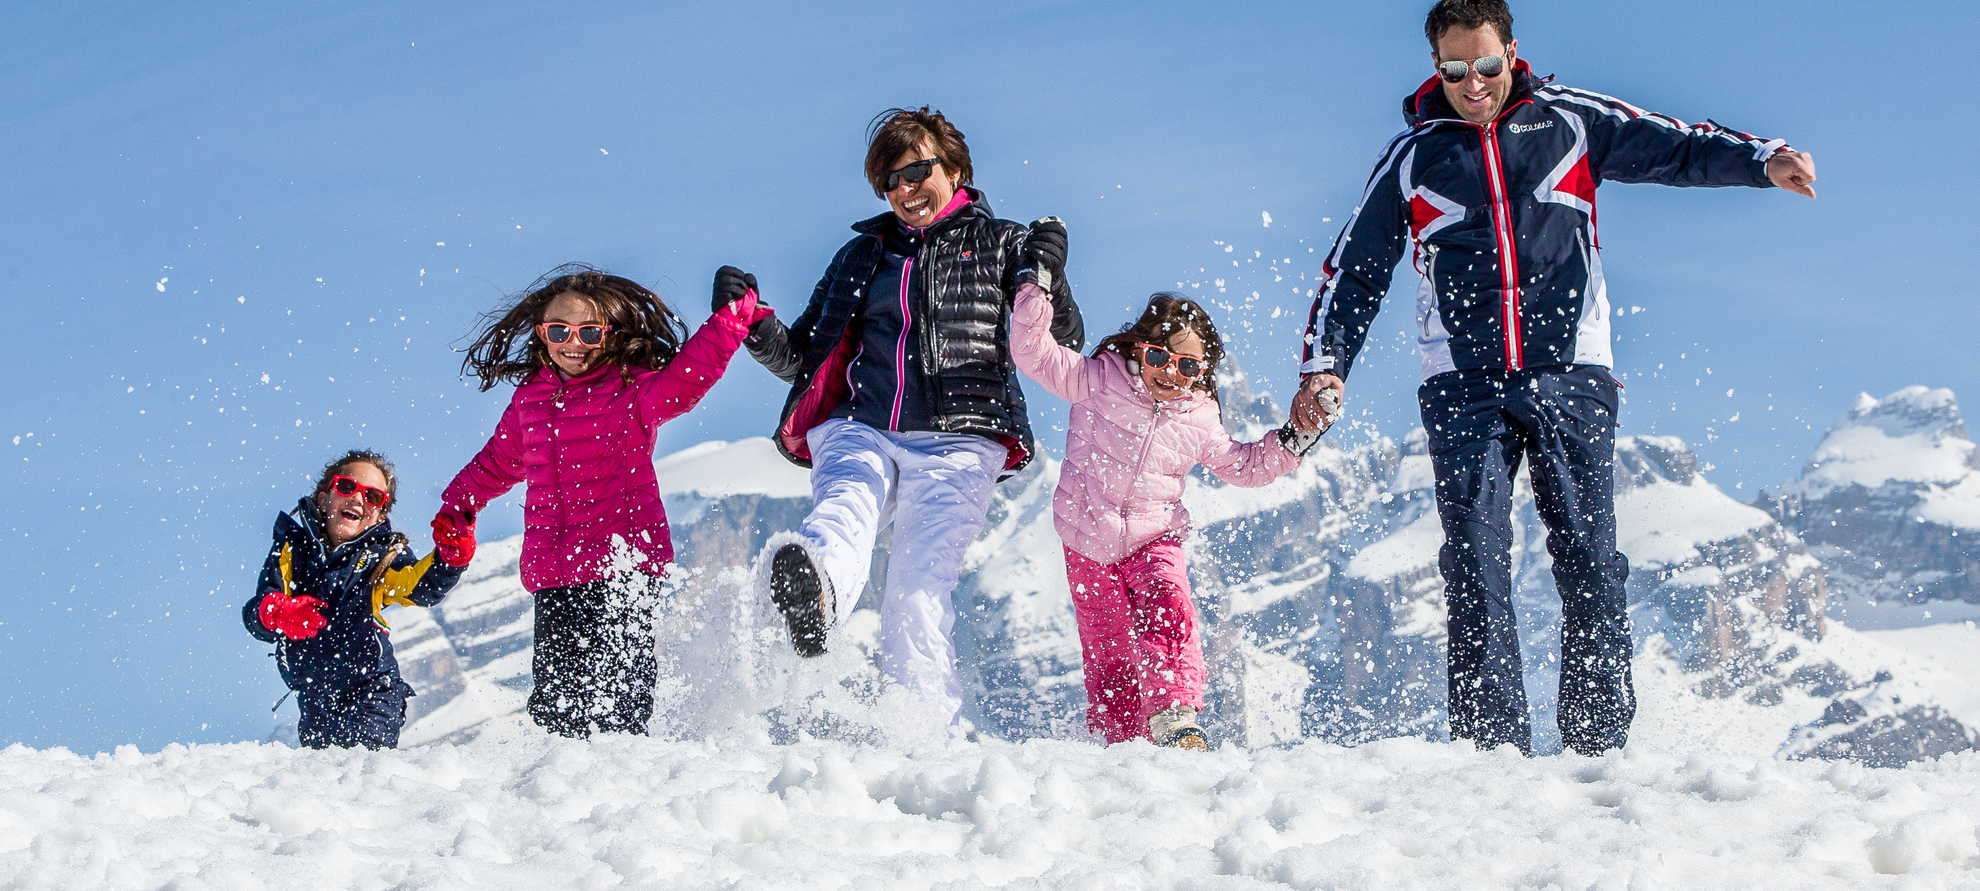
(1913, 436)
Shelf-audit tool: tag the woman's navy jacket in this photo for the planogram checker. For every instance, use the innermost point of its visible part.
(350, 652)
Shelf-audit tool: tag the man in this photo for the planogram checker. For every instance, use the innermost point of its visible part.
(1493, 186)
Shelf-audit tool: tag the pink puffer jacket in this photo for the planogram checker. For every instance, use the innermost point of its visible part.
(1127, 456)
(585, 447)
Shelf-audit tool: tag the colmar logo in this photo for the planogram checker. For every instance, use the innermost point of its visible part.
(1523, 128)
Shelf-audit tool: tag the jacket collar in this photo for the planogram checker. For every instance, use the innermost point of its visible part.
(887, 223)
(308, 522)
(1428, 104)
(548, 374)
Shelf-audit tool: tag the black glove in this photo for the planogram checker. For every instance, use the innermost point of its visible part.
(1045, 250)
(730, 285)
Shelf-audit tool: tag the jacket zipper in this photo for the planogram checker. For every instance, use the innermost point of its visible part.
(1140, 460)
(1508, 250)
(900, 347)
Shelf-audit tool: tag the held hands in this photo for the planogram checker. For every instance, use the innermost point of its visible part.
(1045, 252)
(731, 286)
(295, 617)
(453, 537)
(1793, 171)
(1318, 404)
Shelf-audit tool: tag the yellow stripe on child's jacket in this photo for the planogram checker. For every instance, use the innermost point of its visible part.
(392, 589)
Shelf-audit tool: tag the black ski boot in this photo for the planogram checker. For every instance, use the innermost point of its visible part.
(800, 594)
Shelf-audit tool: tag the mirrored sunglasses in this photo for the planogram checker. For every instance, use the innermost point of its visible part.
(1487, 67)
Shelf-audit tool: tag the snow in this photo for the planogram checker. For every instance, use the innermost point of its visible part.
(632, 812)
(698, 475)
(716, 469)
(1944, 659)
(1664, 523)
(1914, 437)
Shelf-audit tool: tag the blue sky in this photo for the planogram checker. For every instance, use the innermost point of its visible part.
(246, 236)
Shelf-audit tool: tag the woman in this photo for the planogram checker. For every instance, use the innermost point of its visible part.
(904, 401)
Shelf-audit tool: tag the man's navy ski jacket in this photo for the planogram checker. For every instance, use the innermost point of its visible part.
(1502, 221)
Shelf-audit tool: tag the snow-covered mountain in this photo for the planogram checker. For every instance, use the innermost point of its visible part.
(1890, 501)
(1322, 607)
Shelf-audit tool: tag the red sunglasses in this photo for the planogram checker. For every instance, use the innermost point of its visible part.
(560, 333)
(347, 487)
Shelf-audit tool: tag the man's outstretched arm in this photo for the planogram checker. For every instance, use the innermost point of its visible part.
(1630, 145)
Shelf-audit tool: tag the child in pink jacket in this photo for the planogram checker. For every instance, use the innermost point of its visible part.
(599, 364)
(1144, 414)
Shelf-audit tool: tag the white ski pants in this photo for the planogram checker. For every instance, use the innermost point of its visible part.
(935, 488)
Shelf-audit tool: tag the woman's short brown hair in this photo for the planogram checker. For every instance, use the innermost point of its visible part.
(896, 131)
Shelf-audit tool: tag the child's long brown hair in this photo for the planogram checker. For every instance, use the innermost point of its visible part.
(645, 333)
(1168, 313)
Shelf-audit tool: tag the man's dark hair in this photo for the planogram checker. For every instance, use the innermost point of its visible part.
(897, 131)
(1448, 14)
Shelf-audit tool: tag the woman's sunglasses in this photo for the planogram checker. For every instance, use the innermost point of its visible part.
(1487, 67)
(560, 333)
(1159, 358)
(347, 487)
(913, 173)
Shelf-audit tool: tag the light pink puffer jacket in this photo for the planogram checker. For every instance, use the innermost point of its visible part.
(584, 445)
(1127, 456)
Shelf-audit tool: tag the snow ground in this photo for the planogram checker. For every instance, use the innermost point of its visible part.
(631, 812)
(1943, 658)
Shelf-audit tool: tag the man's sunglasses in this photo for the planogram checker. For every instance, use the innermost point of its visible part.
(1159, 358)
(1487, 67)
(560, 333)
(347, 487)
(913, 173)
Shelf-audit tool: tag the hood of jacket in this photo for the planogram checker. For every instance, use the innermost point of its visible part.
(1427, 103)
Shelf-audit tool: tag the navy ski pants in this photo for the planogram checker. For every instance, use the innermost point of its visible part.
(367, 715)
(1561, 420)
(594, 668)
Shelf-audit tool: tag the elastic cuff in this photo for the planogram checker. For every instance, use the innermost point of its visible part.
(1298, 442)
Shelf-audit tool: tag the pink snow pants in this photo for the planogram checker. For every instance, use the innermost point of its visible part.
(1137, 635)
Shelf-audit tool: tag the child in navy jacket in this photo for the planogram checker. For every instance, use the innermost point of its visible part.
(335, 565)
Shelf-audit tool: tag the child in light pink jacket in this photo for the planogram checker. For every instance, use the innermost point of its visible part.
(1144, 414)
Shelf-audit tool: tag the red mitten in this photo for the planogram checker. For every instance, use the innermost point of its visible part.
(453, 537)
(296, 617)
